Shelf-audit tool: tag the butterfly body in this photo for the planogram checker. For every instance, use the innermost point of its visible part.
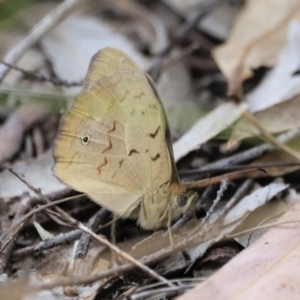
(114, 144)
(157, 206)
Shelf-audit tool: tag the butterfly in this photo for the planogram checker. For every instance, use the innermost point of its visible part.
(114, 144)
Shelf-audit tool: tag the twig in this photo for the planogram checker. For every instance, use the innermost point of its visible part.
(72, 222)
(251, 153)
(185, 28)
(41, 77)
(239, 194)
(8, 245)
(188, 242)
(162, 292)
(55, 241)
(163, 253)
(161, 65)
(129, 258)
(220, 193)
(193, 172)
(157, 285)
(34, 211)
(250, 230)
(48, 243)
(93, 224)
(47, 23)
(181, 34)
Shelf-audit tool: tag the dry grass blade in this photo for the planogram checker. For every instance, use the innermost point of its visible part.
(269, 136)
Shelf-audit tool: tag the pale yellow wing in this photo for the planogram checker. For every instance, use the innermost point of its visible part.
(112, 144)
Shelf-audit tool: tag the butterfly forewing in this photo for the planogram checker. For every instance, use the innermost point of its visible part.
(112, 143)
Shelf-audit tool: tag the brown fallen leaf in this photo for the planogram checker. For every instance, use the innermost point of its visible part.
(268, 213)
(277, 119)
(268, 269)
(255, 42)
(275, 101)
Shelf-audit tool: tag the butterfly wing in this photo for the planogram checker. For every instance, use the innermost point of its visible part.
(112, 144)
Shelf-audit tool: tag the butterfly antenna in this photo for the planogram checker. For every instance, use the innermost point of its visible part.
(217, 179)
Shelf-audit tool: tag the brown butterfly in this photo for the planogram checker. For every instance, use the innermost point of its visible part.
(114, 145)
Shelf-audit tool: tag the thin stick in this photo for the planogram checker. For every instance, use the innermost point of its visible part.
(181, 34)
(220, 193)
(41, 77)
(8, 245)
(278, 223)
(199, 171)
(34, 211)
(128, 257)
(65, 217)
(239, 194)
(251, 153)
(93, 224)
(150, 258)
(48, 243)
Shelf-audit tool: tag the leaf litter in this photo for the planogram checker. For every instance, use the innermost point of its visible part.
(64, 53)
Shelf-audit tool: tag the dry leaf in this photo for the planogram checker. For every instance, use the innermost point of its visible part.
(277, 119)
(257, 38)
(268, 213)
(268, 269)
(269, 100)
(234, 217)
(206, 128)
(283, 82)
(70, 48)
(11, 186)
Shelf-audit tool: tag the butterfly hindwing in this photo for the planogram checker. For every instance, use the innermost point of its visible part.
(112, 144)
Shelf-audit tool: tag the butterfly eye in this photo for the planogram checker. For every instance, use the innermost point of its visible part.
(132, 113)
(143, 113)
(85, 140)
(182, 199)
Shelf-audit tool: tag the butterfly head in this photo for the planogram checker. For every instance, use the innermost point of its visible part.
(169, 201)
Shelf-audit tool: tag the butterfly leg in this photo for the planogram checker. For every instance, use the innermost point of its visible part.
(169, 227)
